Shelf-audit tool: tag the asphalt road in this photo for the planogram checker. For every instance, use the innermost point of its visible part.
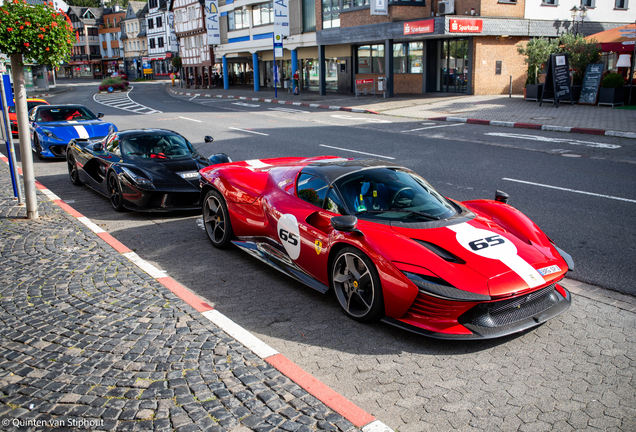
(573, 372)
(580, 189)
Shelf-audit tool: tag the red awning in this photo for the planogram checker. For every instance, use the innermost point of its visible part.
(613, 40)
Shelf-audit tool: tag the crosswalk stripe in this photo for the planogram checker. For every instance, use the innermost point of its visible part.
(123, 102)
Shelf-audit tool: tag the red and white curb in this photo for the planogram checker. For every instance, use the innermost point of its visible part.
(356, 415)
(538, 127)
(329, 107)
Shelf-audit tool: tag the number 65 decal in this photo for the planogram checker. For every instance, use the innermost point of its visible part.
(288, 237)
(486, 242)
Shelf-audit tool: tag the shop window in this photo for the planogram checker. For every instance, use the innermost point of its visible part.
(377, 59)
(364, 59)
(360, 3)
(263, 14)
(407, 57)
(399, 57)
(370, 59)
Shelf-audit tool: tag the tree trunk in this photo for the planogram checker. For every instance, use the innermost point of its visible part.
(26, 157)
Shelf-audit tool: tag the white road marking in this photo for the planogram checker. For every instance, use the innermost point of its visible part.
(193, 97)
(245, 104)
(570, 190)
(123, 102)
(290, 110)
(433, 127)
(549, 139)
(356, 151)
(145, 265)
(369, 120)
(244, 130)
(185, 118)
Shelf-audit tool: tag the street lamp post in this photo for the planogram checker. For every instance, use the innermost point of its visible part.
(582, 12)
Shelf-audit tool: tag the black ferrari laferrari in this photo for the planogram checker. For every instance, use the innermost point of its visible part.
(141, 169)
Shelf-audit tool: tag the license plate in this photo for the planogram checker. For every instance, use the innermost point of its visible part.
(549, 270)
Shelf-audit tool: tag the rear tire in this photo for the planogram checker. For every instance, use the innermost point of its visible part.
(72, 170)
(356, 285)
(114, 193)
(216, 219)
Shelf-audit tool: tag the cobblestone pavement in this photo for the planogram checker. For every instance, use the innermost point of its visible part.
(88, 341)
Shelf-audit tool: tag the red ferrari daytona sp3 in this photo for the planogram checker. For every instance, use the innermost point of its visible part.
(389, 245)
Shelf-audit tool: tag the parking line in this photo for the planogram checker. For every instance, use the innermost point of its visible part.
(244, 130)
(356, 151)
(570, 190)
(185, 118)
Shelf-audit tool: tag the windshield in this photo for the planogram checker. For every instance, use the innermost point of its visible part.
(156, 146)
(30, 105)
(70, 113)
(393, 194)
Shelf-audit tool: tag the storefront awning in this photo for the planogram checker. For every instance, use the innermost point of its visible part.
(614, 40)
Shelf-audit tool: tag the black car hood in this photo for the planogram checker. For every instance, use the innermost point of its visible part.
(170, 171)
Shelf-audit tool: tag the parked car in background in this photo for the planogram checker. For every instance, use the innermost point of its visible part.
(119, 74)
(13, 116)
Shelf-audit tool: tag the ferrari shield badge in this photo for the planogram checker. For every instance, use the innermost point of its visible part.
(318, 244)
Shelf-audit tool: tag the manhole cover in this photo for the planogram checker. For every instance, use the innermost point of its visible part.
(542, 118)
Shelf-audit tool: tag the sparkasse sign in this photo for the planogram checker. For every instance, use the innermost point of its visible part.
(418, 27)
(465, 26)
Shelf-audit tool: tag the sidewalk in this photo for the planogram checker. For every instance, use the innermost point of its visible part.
(94, 338)
(502, 110)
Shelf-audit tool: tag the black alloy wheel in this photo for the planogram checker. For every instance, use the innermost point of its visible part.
(216, 220)
(114, 193)
(38, 147)
(72, 170)
(356, 285)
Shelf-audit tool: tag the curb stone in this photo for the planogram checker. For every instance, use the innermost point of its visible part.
(351, 412)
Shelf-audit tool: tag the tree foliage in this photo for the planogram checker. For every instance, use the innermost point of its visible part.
(537, 51)
(84, 3)
(37, 32)
(176, 62)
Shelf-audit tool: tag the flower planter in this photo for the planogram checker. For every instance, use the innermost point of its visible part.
(611, 96)
(533, 92)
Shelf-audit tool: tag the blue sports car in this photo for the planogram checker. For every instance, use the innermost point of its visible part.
(53, 126)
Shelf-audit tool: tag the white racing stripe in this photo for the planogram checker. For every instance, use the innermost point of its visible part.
(491, 245)
(82, 132)
(256, 163)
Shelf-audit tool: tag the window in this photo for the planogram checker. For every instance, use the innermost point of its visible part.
(407, 57)
(112, 143)
(160, 42)
(152, 4)
(263, 14)
(309, 16)
(550, 2)
(143, 44)
(238, 19)
(192, 13)
(312, 189)
(330, 14)
(116, 52)
(151, 43)
(159, 23)
(151, 23)
(621, 4)
(333, 203)
(371, 59)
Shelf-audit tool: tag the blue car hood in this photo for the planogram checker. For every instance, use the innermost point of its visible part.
(67, 130)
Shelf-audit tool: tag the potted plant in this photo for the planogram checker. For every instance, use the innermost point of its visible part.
(580, 52)
(611, 91)
(537, 51)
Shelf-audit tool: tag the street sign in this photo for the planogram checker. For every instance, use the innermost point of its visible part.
(629, 42)
(278, 45)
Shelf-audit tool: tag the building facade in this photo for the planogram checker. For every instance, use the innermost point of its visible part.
(160, 51)
(86, 55)
(197, 56)
(133, 37)
(110, 40)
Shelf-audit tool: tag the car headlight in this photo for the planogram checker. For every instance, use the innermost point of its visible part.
(50, 134)
(141, 181)
(439, 288)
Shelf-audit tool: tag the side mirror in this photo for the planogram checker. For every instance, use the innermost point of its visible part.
(208, 139)
(345, 224)
(501, 196)
(100, 115)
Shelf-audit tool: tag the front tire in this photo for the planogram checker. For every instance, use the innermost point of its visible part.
(72, 170)
(38, 148)
(114, 193)
(356, 285)
(216, 219)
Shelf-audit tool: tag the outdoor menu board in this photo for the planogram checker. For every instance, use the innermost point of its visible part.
(591, 83)
(557, 80)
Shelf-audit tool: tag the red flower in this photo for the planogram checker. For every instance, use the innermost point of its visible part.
(26, 44)
(21, 27)
(47, 48)
(27, 23)
(9, 29)
(42, 29)
(41, 36)
(54, 24)
(68, 41)
(5, 11)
